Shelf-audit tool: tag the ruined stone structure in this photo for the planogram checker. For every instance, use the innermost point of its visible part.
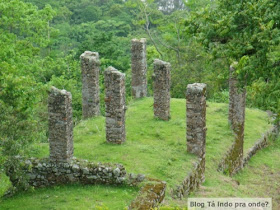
(44, 172)
(139, 68)
(162, 83)
(236, 117)
(263, 142)
(237, 101)
(150, 196)
(90, 78)
(196, 138)
(60, 125)
(192, 181)
(196, 118)
(115, 105)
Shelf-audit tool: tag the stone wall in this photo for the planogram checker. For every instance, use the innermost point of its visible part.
(90, 65)
(60, 125)
(115, 105)
(44, 172)
(138, 68)
(231, 162)
(237, 103)
(261, 143)
(162, 83)
(196, 118)
(192, 181)
(150, 195)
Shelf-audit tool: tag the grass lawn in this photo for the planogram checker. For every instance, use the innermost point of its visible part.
(72, 197)
(153, 147)
(260, 178)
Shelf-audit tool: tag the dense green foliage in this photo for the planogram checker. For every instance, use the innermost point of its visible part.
(247, 32)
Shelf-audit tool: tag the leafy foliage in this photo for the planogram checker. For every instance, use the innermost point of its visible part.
(247, 32)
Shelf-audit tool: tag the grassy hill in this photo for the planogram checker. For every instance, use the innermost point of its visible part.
(153, 147)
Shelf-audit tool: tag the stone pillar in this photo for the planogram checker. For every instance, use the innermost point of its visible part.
(139, 68)
(232, 89)
(162, 83)
(237, 101)
(196, 118)
(60, 125)
(90, 78)
(115, 105)
(236, 117)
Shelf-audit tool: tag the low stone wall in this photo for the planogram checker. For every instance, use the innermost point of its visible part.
(43, 172)
(232, 161)
(150, 195)
(261, 143)
(192, 181)
(228, 162)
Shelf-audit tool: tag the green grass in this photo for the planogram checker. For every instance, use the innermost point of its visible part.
(260, 178)
(72, 197)
(155, 148)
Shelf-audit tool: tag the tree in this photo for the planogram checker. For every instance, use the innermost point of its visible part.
(24, 33)
(247, 32)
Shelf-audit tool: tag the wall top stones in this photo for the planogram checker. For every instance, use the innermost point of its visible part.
(112, 70)
(196, 88)
(162, 64)
(142, 40)
(93, 57)
(55, 91)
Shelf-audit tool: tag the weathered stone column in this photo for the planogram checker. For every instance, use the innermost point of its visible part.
(90, 78)
(115, 105)
(237, 101)
(139, 68)
(236, 117)
(196, 118)
(60, 125)
(232, 81)
(162, 83)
